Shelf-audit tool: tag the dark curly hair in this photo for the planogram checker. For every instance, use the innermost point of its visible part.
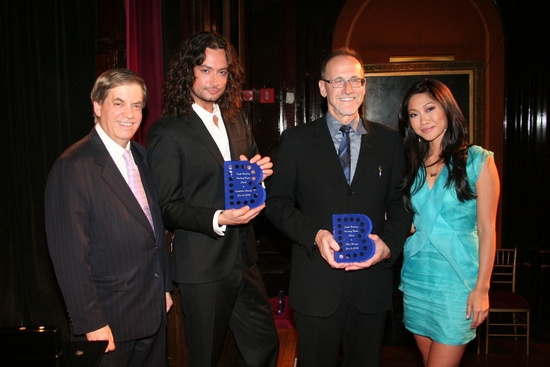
(454, 145)
(176, 90)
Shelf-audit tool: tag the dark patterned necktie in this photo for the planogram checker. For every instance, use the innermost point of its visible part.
(344, 151)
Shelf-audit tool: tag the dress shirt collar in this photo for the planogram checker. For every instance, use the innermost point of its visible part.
(115, 150)
(334, 125)
(218, 132)
(205, 115)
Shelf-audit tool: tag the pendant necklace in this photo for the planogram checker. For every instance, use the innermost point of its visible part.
(433, 174)
(437, 163)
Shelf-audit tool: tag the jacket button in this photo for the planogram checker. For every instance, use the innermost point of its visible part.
(157, 275)
(351, 192)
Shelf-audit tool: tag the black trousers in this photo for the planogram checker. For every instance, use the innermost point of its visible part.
(359, 335)
(144, 352)
(239, 301)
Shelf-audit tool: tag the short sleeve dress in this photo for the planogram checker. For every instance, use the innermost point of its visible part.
(441, 259)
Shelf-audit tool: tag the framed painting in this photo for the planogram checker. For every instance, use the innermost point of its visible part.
(387, 83)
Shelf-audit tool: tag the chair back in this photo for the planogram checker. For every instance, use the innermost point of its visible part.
(504, 270)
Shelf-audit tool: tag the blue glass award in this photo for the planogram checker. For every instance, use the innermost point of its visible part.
(242, 181)
(351, 231)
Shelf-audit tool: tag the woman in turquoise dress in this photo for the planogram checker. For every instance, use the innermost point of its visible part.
(452, 188)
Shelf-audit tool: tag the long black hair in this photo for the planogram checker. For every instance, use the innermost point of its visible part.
(176, 91)
(455, 144)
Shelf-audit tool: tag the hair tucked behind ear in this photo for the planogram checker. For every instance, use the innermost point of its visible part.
(454, 145)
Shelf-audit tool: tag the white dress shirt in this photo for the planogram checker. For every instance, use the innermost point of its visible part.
(115, 151)
(219, 134)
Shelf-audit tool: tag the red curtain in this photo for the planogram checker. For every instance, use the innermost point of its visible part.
(144, 55)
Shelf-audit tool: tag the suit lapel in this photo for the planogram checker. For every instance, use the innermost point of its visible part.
(366, 152)
(196, 123)
(234, 132)
(326, 146)
(114, 179)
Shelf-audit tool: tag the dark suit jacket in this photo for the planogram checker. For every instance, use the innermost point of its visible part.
(308, 186)
(110, 266)
(187, 170)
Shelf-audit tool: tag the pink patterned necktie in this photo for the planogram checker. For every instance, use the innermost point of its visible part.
(134, 181)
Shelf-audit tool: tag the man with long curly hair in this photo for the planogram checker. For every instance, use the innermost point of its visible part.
(214, 250)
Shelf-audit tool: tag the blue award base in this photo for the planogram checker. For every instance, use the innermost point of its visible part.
(242, 182)
(351, 231)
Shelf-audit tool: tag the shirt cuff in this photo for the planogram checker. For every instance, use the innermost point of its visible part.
(220, 231)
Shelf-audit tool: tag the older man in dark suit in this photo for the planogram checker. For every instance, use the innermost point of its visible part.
(105, 231)
(339, 164)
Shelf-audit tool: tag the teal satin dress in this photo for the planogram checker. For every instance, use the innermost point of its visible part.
(441, 259)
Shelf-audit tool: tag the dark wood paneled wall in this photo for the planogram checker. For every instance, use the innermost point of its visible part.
(526, 176)
(527, 170)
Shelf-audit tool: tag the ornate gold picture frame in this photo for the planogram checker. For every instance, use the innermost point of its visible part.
(387, 83)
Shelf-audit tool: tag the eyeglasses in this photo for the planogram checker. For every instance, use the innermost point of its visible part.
(339, 82)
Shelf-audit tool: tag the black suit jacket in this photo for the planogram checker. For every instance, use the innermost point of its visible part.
(187, 170)
(111, 267)
(308, 186)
